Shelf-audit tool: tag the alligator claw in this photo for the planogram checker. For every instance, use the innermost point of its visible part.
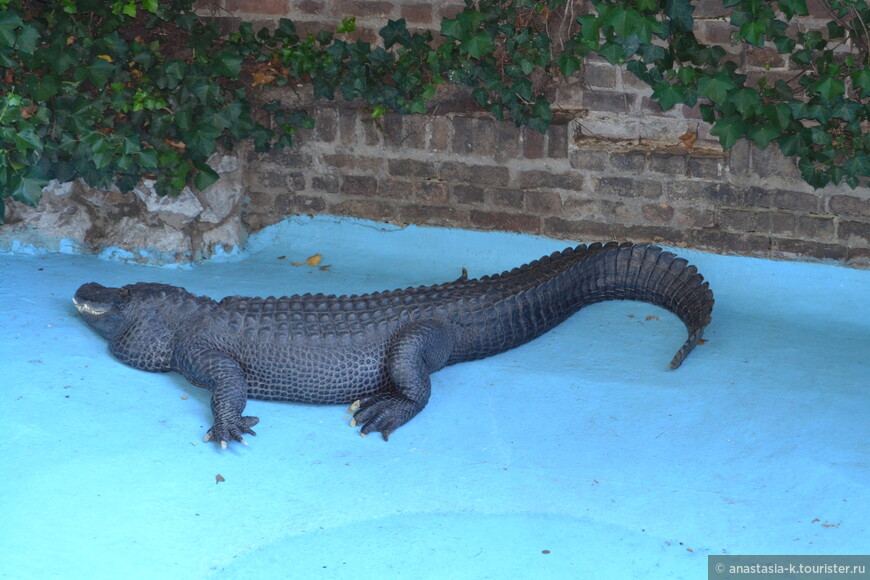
(385, 413)
(231, 431)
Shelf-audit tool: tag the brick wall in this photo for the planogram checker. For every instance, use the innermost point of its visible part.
(612, 166)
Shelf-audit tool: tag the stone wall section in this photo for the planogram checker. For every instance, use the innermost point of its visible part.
(613, 166)
(471, 171)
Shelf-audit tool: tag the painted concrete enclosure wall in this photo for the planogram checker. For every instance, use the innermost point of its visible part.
(612, 166)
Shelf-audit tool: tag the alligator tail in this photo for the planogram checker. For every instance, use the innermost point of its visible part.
(650, 274)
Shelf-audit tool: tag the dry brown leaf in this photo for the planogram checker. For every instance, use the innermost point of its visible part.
(179, 145)
(688, 138)
(27, 112)
(311, 261)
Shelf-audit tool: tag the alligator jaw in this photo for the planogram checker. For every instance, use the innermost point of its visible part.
(85, 308)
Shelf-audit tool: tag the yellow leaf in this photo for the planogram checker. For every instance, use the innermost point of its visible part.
(311, 261)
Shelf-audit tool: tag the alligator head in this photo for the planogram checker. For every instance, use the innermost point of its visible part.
(102, 308)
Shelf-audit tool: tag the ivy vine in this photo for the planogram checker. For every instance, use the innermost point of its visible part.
(113, 92)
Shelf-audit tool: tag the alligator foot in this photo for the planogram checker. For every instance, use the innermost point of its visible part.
(384, 412)
(231, 430)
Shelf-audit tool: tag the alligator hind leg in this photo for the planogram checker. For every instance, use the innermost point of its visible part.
(417, 350)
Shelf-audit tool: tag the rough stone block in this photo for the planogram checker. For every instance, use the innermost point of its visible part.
(671, 164)
(292, 204)
(776, 222)
(509, 222)
(704, 167)
(537, 179)
(609, 101)
(359, 185)
(431, 191)
(431, 214)
(808, 249)
(584, 230)
(796, 200)
(706, 193)
(543, 202)
(327, 183)
(855, 233)
(690, 217)
(533, 144)
(420, 13)
(467, 194)
(362, 8)
(736, 219)
(557, 141)
(628, 187)
(411, 168)
(630, 162)
(589, 160)
(372, 209)
(849, 205)
(658, 212)
(816, 227)
(487, 175)
(512, 198)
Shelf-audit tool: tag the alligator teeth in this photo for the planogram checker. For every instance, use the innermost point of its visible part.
(85, 308)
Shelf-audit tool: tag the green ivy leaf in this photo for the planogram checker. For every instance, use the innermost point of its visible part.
(858, 165)
(680, 12)
(478, 45)
(9, 23)
(830, 88)
(728, 131)
(28, 38)
(792, 7)
(791, 144)
(746, 101)
(229, 64)
(205, 176)
(668, 95)
(395, 32)
(715, 88)
(27, 186)
(762, 135)
(568, 64)
(861, 78)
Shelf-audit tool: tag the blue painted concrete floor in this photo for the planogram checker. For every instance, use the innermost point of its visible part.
(578, 455)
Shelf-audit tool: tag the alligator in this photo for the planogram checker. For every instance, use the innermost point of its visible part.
(376, 351)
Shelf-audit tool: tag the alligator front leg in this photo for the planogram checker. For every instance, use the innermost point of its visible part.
(417, 350)
(222, 375)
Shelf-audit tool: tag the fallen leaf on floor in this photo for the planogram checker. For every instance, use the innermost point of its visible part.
(311, 261)
(652, 317)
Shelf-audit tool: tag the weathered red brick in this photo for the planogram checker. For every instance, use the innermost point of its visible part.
(257, 6)
(658, 212)
(509, 222)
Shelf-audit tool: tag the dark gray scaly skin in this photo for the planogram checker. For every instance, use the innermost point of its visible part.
(376, 350)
